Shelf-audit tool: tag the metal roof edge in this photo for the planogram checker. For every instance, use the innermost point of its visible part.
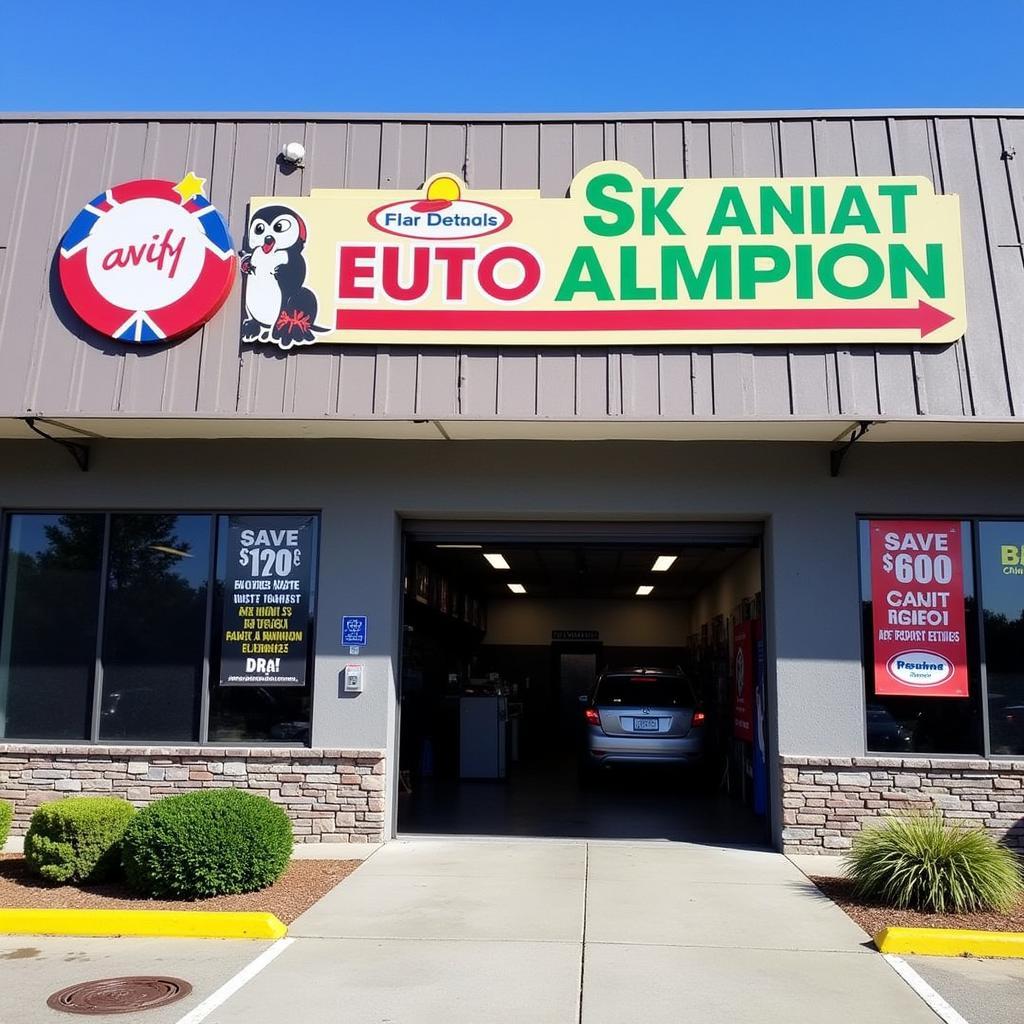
(457, 118)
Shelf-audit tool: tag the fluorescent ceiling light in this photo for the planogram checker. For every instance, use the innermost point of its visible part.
(461, 547)
(497, 561)
(643, 590)
(517, 588)
(663, 563)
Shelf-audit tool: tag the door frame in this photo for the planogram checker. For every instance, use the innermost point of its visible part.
(754, 533)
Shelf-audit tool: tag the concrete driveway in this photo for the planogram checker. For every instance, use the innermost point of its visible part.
(551, 932)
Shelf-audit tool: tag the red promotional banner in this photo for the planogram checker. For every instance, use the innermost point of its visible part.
(743, 681)
(917, 595)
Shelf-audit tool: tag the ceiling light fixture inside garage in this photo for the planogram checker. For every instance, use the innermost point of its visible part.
(459, 547)
(497, 561)
(643, 590)
(663, 563)
(517, 588)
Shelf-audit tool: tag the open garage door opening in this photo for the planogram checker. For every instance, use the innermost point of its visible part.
(581, 686)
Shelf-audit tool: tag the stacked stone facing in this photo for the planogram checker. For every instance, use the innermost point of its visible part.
(330, 795)
(827, 800)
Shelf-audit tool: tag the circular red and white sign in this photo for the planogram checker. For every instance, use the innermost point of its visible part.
(147, 260)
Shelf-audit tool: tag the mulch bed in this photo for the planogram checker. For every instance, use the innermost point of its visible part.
(299, 888)
(873, 916)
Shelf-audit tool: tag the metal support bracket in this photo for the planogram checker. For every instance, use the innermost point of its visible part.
(836, 456)
(79, 452)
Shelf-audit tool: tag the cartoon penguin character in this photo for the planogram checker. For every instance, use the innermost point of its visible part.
(278, 306)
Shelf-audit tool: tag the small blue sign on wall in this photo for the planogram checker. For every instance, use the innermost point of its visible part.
(353, 631)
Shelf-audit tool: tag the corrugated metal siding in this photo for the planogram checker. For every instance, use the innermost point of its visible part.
(50, 365)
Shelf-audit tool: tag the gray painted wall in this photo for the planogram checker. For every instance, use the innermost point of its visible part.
(53, 366)
(364, 487)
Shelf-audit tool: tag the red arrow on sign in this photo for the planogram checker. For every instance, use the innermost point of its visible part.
(922, 318)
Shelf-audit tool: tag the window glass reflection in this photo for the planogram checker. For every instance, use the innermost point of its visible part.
(1000, 549)
(48, 637)
(155, 626)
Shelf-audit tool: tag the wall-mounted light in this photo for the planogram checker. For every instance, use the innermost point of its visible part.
(293, 153)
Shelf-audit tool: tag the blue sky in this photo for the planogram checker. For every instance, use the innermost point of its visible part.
(527, 55)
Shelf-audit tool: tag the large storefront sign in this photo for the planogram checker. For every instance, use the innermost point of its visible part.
(147, 261)
(918, 620)
(267, 599)
(818, 260)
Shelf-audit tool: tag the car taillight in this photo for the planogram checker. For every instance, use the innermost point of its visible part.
(593, 716)
(698, 718)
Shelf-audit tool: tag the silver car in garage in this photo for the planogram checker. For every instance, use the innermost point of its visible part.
(643, 716)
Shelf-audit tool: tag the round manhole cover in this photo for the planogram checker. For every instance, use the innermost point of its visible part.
(119, 995)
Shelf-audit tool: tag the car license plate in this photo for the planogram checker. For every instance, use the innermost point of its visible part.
(645, 725)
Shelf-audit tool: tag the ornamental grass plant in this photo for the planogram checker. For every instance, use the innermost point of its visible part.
(919, 862)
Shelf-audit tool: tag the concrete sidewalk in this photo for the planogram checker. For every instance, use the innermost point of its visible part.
(541, 932)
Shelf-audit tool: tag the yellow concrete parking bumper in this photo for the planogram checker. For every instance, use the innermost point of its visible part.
(950, 942)
(185, 924)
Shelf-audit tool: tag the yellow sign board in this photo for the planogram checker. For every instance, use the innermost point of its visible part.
(621, 260)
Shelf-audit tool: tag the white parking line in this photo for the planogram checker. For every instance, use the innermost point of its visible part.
(230, 987)
(924, 990)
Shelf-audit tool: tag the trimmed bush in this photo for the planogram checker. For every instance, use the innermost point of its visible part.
(77, 839)
(209, 843)
(6, 814)
(918, 862)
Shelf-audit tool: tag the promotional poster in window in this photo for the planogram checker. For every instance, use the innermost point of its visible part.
(917, 594)
(267, 598)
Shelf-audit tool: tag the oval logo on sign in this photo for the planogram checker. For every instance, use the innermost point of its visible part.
(919, 668)
(148, 260)
(444, 214)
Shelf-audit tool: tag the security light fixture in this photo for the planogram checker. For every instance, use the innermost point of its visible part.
(497, 561)
(663, 563)
(517, 588)
(644, 589)
(293, 153)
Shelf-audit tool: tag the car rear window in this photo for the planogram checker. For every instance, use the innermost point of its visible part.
(661, 691)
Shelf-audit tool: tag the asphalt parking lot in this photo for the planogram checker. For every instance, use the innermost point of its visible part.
(981, 991)
(34, 967)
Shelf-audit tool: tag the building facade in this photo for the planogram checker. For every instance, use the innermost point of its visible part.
(130, 473)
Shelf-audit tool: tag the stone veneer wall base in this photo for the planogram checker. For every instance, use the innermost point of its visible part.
(827, 800)
(331, 795)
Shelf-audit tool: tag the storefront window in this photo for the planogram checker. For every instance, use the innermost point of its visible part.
(48, 638)
(263, 615)
(141, 583)
(927, 631)
(154, 635)
(1001, 558)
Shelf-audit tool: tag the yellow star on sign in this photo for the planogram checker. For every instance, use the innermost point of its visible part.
(190, 186)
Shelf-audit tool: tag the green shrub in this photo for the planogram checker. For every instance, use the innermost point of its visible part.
(208, 843)
(6, 813)
(77, 839)
(919, 862)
